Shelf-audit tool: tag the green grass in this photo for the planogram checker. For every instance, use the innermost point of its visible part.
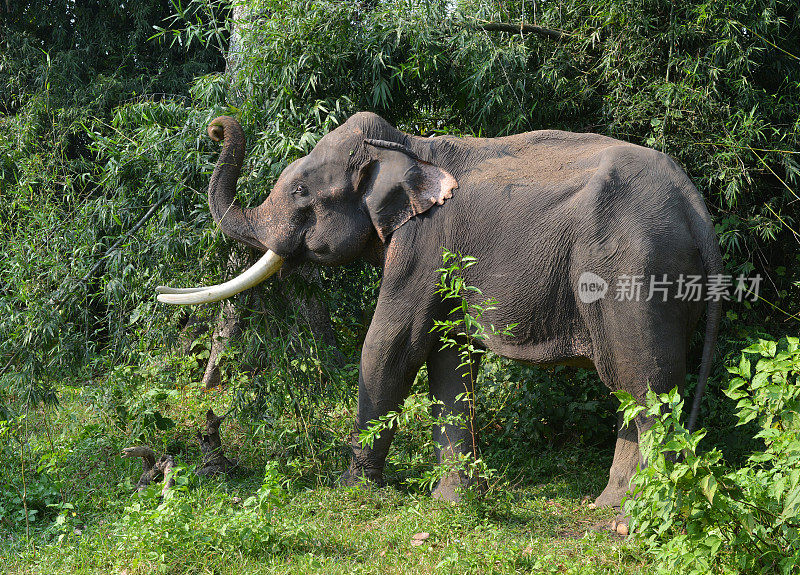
(538, 523)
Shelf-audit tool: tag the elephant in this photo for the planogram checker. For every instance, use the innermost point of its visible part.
(540, 211)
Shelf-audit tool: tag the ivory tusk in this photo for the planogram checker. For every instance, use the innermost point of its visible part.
(269, 263)
(167, 289)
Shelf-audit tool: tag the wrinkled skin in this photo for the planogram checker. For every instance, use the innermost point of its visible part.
(536, 210)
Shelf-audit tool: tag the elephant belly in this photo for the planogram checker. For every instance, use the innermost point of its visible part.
(575, 350)
(541, 316)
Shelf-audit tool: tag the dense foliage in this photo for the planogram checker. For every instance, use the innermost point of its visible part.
(95, 142)
(697, 513)
(64, 69)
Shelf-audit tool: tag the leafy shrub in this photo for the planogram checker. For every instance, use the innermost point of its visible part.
(696, 513)
(131, 395)
(521, 405)
(36, 498)
(28, 489)
(184, 528)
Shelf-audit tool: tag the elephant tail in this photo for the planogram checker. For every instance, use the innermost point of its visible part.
(712, 262)
(714, 311)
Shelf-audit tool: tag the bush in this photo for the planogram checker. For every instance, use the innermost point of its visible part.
(697, 514)
(186, 527)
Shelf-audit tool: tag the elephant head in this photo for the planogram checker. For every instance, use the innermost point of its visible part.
(342, 201)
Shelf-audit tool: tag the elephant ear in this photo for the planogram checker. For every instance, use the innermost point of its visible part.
(398, 185)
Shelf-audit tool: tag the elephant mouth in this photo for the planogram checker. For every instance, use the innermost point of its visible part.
(265, 267)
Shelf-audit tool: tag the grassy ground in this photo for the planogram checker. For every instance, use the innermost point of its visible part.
(297, 522)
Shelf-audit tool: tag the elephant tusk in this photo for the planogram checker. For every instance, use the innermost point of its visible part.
(172, 290)
(258, 272)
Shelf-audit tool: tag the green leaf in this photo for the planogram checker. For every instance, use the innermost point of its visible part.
(791, 505)
(163, 423)
(744, 367)
(713, 543)
(760, 457)
(760, 379)
(708, 485)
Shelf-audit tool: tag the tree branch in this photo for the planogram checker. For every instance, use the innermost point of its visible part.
(521, 28)
(125, 236)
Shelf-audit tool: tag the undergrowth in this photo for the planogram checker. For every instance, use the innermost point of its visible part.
(697, 513)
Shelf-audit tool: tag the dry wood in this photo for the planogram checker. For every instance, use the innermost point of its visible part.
(152, 471)
(167, 464)
(214, 461)
(149, 470)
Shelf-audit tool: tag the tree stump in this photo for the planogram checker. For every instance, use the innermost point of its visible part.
(214, 461)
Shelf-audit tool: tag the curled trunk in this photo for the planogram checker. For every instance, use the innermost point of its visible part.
(234, 220)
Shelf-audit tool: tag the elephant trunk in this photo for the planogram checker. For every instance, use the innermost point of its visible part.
(226, 211)
(231, 217)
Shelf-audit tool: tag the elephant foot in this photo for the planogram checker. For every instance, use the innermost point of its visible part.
(450, 488)
(610, 497)
(366, 466)
(356, 475)
(453, 486)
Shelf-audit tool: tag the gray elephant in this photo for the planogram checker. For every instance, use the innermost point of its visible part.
(550, 217)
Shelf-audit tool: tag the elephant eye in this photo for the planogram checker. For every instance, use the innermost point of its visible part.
(300, 190)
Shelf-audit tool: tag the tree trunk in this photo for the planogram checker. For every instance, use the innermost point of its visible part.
(228, 324)
(235, 52)
(229, 321)
(228, 327)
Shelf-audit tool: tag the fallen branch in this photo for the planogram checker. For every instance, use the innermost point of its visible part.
(167, 464)
(149, 471)
(152, 471)
(214, 461)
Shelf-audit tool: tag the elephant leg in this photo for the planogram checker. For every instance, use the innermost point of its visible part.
(396, 346)
(641, 355)
(452, 386)
(626, 457)
(377, 396)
